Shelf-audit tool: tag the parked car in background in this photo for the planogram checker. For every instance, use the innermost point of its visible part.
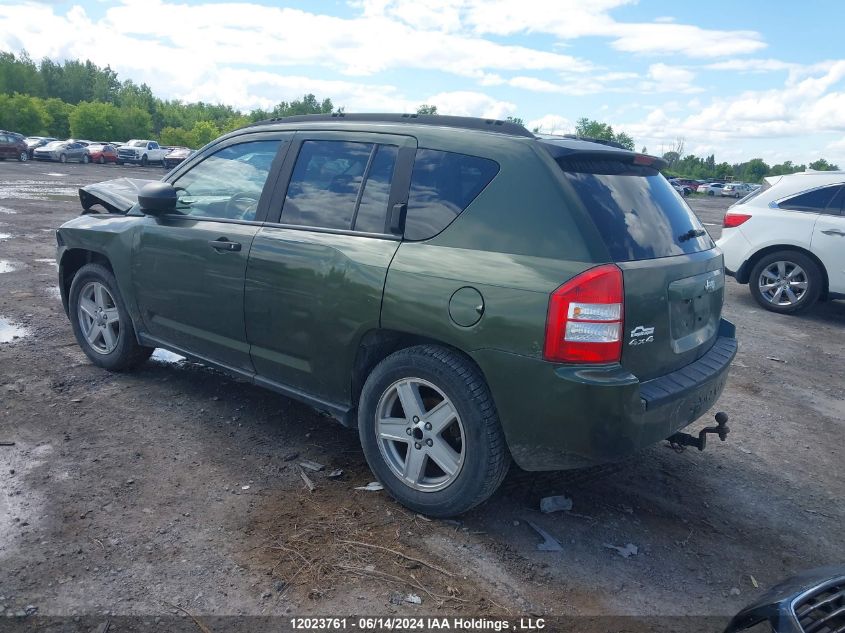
(787, 240)
(374, 267)
(12, 145)
(175, 156)
(736, 190)
(102, 153)
(62, 151)
(711, 188)
(681, 189)
(33, 142)
(141, 152)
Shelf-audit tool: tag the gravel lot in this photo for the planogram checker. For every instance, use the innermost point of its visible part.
(178, 487)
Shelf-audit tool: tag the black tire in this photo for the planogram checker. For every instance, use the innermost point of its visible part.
(102, 160)
(710, 193)
(812, 275)
(144, 160)
(119, 162)
(86, 159)
(127, 354)
(485, 454)
(23, 157)
(62, 158)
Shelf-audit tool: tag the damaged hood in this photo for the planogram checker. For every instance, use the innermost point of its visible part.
(117, 196)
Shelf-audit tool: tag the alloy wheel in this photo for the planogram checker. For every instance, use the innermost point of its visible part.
(420, 434)
(783, 283)
(98, 317)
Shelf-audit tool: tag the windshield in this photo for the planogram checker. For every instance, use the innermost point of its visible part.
(53, 145)
(137, 143)
(636, 210)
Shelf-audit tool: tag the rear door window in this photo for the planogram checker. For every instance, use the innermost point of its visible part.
(342, 185)
(636, 210)
(815, 201)
(443, 184)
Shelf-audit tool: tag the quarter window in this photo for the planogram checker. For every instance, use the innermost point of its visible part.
(816, 200)
(443, 184)
(227, 184)
(340, 184)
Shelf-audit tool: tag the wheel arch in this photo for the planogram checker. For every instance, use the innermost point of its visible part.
(72, 260)
(744, 273)
(378, 344)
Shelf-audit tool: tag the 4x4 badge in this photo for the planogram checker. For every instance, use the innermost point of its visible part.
(710, 285)
(641, 335)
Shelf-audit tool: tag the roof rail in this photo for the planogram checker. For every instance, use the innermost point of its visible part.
(463, 122)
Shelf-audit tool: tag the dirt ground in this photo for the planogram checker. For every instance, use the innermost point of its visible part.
(177, 488)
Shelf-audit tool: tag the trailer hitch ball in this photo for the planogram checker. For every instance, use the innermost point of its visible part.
(680, 440)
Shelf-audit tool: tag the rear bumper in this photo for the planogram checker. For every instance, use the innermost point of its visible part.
(558, 417)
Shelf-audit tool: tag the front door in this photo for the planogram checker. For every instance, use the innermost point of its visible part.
(189, 266)
(316, 275)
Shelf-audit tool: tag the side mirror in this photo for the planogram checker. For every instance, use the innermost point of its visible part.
(157, 198)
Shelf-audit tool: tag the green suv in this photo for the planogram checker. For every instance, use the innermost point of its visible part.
(464, 292)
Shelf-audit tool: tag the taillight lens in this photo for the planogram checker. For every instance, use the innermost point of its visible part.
(584, 323)
(734, 219)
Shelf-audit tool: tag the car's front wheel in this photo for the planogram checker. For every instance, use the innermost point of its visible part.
(100, 321)
(144, 160)
(430, 431)
(63, 158)
(23, 156)
(786, 282)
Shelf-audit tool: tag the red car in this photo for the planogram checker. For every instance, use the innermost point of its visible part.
(102, 153)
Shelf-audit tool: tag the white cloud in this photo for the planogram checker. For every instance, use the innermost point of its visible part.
(552, 124)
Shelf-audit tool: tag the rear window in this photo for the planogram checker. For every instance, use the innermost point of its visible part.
(636, 210)
(815, 201)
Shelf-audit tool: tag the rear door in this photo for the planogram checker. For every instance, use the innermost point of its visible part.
(828, 241)
(316, 271)
(673, 274)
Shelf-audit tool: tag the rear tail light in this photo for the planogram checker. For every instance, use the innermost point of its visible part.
(584, 323)
(734, 219)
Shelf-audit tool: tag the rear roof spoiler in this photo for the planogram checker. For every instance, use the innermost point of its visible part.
(596, 149)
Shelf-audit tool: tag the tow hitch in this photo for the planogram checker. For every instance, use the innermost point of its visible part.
(679, 441)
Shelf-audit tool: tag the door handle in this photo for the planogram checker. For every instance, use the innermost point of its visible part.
(834, 232)
(223, 245)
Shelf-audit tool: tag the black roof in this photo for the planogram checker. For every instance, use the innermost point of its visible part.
(463, 122)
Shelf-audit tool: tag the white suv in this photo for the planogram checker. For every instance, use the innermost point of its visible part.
(787, 240)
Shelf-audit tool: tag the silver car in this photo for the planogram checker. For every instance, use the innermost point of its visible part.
(62, 151)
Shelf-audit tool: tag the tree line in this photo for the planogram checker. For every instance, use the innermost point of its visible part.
(75, 99)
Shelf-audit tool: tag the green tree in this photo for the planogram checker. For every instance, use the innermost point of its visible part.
(754, 170)
(589, 128)
(177, 136)
(427, 109)
(516, 119)
(133, 122)
(94, 121)
(822, 165)
(20, 74)
(59, 114)
(203, 133)
(23, 114)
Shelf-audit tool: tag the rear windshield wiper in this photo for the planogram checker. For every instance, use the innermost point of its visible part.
(691, 234)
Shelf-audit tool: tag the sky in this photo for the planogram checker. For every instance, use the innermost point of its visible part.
(741, 80)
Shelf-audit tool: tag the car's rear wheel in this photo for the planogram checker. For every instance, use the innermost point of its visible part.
(102, 160)
(23, 156)
(430, 431)
(86, 158)
(100, 321)
(786, 282)
(62, 158)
